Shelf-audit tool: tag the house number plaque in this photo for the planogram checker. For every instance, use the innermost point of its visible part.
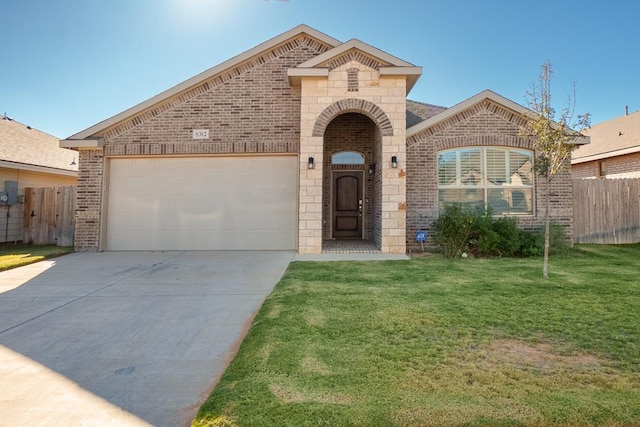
(201, 134)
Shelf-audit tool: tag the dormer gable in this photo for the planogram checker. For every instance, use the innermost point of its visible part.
(358, 51)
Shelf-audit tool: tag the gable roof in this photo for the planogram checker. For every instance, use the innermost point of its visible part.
(468, 103)
(476, 99)
(200, 78)
(22, 147)
(614, 137)
(386, 64)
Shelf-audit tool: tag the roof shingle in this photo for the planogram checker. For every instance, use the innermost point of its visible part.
(607, 138)
(28, 146)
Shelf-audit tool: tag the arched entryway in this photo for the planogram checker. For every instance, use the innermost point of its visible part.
(351, 202)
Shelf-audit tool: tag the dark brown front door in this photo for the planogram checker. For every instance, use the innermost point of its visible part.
(347, 205)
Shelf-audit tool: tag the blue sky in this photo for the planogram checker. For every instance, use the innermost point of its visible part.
(66, 65)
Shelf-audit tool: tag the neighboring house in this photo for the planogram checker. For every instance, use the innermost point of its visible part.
(300, 141)
(614, 151)
(28, 158)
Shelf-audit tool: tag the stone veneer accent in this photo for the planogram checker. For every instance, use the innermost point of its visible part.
(484, 124)
(383, 100)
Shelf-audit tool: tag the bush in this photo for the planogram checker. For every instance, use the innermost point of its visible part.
(459, 229)
(453, 229)
(510, 237)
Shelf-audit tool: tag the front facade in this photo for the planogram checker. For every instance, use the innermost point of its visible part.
(28, 158)
(614, 151)
(300, 141)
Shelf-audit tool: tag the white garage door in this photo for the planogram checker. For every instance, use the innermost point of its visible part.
(202, 203)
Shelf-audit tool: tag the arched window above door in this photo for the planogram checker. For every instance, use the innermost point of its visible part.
(347, 158)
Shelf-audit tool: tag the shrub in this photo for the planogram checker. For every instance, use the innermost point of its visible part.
(510, 237)
(453, 229)
(460, 229)
(531, 243)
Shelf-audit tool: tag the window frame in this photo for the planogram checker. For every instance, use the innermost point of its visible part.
(463, 174)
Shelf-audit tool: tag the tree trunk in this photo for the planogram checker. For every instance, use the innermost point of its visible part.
(545, 265)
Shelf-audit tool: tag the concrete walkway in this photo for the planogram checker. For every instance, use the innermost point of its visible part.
(124, 338)
(350, 257)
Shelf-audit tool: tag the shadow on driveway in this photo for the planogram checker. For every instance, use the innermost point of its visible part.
(125, 338)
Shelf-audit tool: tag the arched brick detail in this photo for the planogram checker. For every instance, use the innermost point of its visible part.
(353, 105)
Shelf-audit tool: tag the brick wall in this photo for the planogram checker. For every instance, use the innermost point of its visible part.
(88, 200)
(485, 124)
(627, 166)
(251, 108)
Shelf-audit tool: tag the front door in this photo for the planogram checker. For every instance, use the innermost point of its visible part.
(347, 205)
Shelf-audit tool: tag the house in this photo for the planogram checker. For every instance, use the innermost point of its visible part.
(301, 141)
(614, 151)
(28, 158)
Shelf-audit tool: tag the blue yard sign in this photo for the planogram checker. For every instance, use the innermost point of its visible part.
(421, 236)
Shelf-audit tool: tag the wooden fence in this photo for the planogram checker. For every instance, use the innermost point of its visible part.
(49, 215)
(606, 210)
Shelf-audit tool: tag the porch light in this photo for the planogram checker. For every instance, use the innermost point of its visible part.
(394, 162)
(372, 168)
(310, 163)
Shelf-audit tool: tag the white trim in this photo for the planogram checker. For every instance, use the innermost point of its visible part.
(34, 168)
(188, 84)
(401, 71)
(296, 74)
(82, 143)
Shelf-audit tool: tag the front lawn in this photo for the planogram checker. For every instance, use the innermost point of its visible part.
(436, 342)
(17, 255)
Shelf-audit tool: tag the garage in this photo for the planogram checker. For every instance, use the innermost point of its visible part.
(202, 203)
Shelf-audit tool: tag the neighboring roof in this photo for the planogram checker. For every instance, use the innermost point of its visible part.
(418, 112)
(22, 147)
(206, 75)
(614, 137)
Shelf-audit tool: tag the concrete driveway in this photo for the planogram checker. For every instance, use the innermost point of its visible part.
(124, 338)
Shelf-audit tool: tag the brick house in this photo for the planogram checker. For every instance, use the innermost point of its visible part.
(28, 158)
(614, 151)
(301, 141)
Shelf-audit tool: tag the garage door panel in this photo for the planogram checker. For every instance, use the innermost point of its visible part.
(202, 203)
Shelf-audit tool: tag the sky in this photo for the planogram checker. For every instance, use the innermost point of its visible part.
(66, 65)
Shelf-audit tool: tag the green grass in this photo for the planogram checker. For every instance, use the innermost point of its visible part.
(17, 255)
(444, 343)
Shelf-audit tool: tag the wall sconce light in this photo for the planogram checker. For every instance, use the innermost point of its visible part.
(372, 168)
(310, 164)
(394, 162)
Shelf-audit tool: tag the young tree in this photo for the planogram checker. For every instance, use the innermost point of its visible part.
(555, 139)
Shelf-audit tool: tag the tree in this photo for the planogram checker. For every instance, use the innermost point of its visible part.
(554, 139)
